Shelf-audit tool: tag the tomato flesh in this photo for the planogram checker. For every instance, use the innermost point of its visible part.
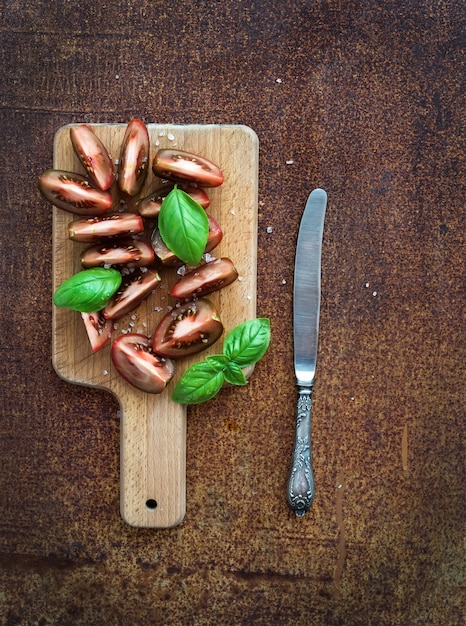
(128, 252)
(94, 228)
(187, 330)
(135, 361)
(134, 158)
(73, 193)
(134, 288)
(179, 165)
(93, 155)
(205, 279)
(99, 330)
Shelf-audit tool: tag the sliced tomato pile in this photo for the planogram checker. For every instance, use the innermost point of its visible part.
(117, 239)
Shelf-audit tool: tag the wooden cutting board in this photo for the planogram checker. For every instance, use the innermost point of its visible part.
(153, 428)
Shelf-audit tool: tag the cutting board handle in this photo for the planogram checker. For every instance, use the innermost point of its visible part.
(153, 460)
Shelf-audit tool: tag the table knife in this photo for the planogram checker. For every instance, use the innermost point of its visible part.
(306, 308)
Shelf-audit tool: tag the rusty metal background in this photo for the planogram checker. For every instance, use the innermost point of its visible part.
(364, 98)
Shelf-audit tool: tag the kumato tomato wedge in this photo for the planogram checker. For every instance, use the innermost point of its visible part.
(205, 279)
(134, 158)
(134, 288)
(126, 252)
(187, 329)
(135, 361)
(181, 166)
(93, 155)
(99, 330)
(73, 193)
(149, 206)
(94, 228)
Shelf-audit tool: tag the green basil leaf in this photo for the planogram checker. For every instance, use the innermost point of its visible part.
(199, 383)
(248, 342)
(218, 361)
(183, 226)
(234, 374)
(88, 290)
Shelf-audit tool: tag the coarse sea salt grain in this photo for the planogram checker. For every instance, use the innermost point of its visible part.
(269, 229)
(290, 162)
(105, 372)
(374, 293)
(171, 136)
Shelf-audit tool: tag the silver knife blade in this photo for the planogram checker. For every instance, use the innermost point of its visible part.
(306, 312)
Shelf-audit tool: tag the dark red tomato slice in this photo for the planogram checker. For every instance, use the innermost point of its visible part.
(205, 279)
(215, 234)
(95, 228)
(188, 329)
(93, 155)
(166, 256)
(178, 165)
(150, 206)
(134, 158)
(133, 290)
(74, 193)
(162, 252)
(127, 252)
(134, 359)
(99, 330)
(197, 194)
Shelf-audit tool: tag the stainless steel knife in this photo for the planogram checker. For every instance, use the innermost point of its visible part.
(306, 309)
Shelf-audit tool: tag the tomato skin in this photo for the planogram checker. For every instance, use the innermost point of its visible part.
(133, 290)
(93, 155)
(187, 329)
(215, 235)
(88, 230)
(99, 330)
(179, 165)
(73, 193)
(135, 361)
(205, 279)
(151, 204)
(134, 158)
(166, 256)
(126, 252)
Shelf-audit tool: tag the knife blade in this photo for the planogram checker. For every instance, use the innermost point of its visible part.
(306, 310)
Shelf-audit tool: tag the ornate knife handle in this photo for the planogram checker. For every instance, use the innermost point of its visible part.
(301, 482)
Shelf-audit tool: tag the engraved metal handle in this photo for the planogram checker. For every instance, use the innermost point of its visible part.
(301, 481)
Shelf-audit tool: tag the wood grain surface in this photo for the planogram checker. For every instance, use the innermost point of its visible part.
(153, 428)
(364, 98)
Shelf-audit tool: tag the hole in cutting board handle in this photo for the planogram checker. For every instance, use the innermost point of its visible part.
(151, 504)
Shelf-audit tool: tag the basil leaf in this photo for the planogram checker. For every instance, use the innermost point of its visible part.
(183, 226)
(218, 361)
(234, 374)
(248, 342)
(199, 383)
(88, 290)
